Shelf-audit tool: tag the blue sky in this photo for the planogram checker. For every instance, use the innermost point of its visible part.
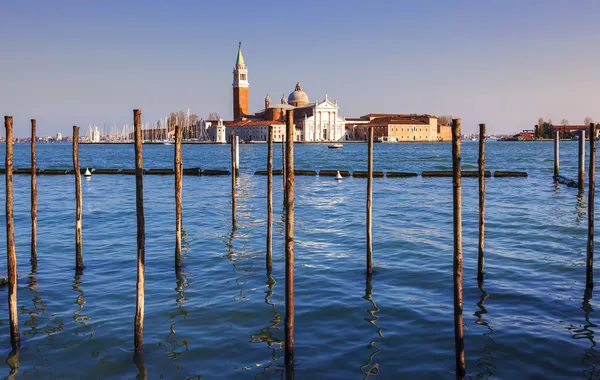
(504, 63)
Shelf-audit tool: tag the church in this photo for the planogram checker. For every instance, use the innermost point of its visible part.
(314, 121)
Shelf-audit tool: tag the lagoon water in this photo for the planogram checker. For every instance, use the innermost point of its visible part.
(222, 317)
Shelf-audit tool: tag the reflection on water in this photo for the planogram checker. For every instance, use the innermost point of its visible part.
(486, 362)
(587, 332)
(267, 335)
(13, 364)
(35, 324)
(580, 209)
(235, 258)
(78, 316)
(371, 367)
(138, 359)
(175, 347)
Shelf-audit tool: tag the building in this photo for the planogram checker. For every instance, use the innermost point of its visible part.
(398, 128)
(314, 121)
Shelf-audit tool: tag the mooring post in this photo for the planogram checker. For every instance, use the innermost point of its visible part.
(289, 247)
(283, 166)
(556, 152)
(459, 344)
(270, 201)
(33, 198)
(481, 162)
(370, 205)
(237, 155)
(589, 272)
(79, 202)
(11, 254)
(233, 175)
(141, 232)
(580, 174)
(178, 187)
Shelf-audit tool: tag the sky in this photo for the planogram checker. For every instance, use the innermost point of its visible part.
(503, 63)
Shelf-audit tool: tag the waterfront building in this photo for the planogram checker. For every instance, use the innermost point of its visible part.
(399, 128)
(59, 136)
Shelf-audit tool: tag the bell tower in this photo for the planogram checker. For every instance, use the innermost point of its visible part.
(240, 87)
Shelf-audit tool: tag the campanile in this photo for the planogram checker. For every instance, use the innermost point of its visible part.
(240, 87)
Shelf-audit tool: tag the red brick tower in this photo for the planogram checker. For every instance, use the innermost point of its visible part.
(240, 87)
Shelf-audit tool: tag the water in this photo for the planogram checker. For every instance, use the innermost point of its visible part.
(222, 317)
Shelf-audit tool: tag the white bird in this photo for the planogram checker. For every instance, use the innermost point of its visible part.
(338, 176)
(87, 173)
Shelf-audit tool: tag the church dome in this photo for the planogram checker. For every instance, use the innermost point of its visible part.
(298, 97)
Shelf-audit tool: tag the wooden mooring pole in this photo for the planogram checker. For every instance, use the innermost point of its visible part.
(481, 163)
(178, 191)
(269, 255)
(141, 233)
(11, 254)
(283, 166)
(33, 198)
(556, 153)
(589, 272)
(233, 175)
(459, 344)
(79, 203)
(581, 163)
(289, 247)
(370, 204)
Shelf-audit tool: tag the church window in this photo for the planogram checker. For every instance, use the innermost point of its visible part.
(242, 76)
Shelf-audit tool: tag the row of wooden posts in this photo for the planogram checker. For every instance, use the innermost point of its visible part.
(288, 182)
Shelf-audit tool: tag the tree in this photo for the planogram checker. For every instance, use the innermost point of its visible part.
(213, 116)
(188, 127)
(564, 122)
(587, 121)
(445, 120)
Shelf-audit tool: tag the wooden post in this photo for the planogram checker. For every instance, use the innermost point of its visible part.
(141, 232)
(79, 202)
(459, 343)
(556, 152)
(580, 174)
(370, 204)
(589, 272)
(481, 162)
(270, 200)
(233, 175)
(11, 254)
(283, 166)
(289, 247)
(33, 198)
(237, 155)
(178, 188)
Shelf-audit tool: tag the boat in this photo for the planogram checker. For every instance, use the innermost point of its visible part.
(335, 146)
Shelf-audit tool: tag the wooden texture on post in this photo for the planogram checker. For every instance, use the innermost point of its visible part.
(233, 175)
(289, 247)
(78, 201)
(459, 343)
(33, 197)
(589, 272)
(269, 255)
(481, 163)
(370, 204)
(581, 161)
(141, 233)
(283, 166)
(11, 254)
(556, 153)
(178, 209)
